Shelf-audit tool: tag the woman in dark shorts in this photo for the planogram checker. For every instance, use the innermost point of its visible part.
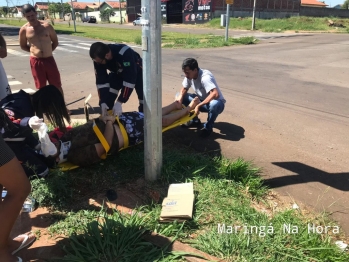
(13, 178)
(81, 145)
(85, 148)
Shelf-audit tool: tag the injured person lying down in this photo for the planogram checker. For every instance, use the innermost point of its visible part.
(89, 143)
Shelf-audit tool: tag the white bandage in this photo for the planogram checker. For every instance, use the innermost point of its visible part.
(35, 122)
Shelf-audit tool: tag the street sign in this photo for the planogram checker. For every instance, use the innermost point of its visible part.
(229, 2)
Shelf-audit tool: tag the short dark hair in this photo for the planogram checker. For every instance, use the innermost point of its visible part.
(99, 50)
(191, 63)
(28, 8)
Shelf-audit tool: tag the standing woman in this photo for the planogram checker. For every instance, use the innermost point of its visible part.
(13, 178)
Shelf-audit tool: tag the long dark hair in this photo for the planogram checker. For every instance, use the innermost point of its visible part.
(49, 100)
(5, 122)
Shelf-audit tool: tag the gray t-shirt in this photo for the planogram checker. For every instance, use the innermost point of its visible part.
(203, 85)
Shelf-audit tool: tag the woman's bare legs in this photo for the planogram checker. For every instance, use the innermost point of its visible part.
(168, 119)
(171, 107)
(13, 178)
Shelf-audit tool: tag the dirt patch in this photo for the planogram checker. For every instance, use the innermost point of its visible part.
(129, 196)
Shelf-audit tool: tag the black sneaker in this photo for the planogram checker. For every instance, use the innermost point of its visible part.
(205, 132)
(195, 122)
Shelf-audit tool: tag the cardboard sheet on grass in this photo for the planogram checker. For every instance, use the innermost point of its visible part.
(178, 205)
(65, 166)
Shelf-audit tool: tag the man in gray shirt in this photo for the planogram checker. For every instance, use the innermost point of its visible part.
(205, 87)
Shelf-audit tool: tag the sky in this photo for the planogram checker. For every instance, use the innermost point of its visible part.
(330, 3)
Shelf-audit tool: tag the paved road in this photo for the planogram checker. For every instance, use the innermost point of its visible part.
(287, 108)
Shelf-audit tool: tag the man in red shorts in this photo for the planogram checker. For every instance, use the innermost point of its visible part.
(43, 41)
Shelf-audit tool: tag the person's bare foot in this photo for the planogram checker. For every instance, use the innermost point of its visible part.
(178, 105)
(20, 242)
(194, 103)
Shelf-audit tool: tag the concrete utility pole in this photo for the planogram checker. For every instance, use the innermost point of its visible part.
(254, 15)
(62, 9)
(7, 9)
(120, 12)
(73, 13)
(227, 20)
(151, 46)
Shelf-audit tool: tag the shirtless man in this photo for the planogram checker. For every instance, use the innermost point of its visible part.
(43, 41)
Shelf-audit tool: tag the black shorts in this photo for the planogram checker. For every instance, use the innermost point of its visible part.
(134, 125)
(6, 154)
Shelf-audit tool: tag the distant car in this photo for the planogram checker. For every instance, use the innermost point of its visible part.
(137, 21)
(89, 19)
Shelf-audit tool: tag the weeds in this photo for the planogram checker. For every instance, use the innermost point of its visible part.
(115, 237)
(277, 25)
(138, 40)
(54, 192)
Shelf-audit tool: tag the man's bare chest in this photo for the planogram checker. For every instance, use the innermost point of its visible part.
(37, 33)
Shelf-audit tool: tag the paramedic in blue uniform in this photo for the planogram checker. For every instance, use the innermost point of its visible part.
(118, 70)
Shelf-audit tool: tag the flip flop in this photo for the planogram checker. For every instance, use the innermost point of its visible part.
(26, 242)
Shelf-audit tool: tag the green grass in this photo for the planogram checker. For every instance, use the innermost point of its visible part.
(169, 39)
(229, 192)
(283, 24)
(115, 238)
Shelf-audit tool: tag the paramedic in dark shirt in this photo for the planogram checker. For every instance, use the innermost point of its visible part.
(118, 70)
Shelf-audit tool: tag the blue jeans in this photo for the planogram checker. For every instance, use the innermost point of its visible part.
(214, 108)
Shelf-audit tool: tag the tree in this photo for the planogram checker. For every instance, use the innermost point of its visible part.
(66, 8)
(106, 14)
(53, 9)
(345, 5)
(59, 8)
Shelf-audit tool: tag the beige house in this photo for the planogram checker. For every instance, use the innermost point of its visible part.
(116, 7)
(42, 9)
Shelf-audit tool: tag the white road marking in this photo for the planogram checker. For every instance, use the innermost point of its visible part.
(71, 40)
(27, 90)
(85, 44)
(75, 46)
(17, 53)
(65, 49)
(13, 83)
(10, 77)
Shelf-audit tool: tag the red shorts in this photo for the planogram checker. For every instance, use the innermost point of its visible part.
(45, 69)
